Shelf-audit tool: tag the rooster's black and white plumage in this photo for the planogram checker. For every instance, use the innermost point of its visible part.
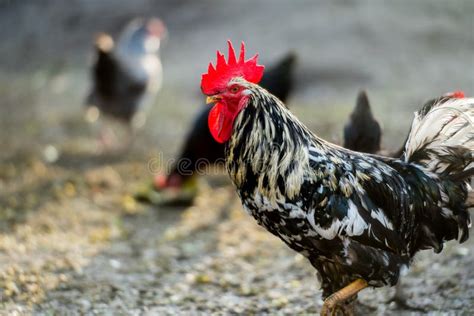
(358, 218)
(353, 215)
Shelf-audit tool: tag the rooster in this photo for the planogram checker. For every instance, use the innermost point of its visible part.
(358, 218)
(126, 74)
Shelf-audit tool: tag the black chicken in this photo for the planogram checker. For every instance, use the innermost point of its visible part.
(362, 132)
(126, 75)
(200, 149)
(358, 218)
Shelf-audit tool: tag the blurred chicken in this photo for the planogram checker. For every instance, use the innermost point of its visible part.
(362, 132)
(200, 149)
(127, 75)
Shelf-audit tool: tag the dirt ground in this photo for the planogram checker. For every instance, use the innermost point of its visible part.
(74, 241)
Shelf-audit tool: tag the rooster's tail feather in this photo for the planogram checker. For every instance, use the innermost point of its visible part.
(442, 136)
(441, 141)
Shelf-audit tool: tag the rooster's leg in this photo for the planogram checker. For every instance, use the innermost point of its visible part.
(400, 298)
(332, 304)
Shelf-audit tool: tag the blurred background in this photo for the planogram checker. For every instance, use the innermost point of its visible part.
(72, 236)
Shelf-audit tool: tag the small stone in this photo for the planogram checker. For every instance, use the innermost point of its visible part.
(115, 263)
(129, 204)
(50, 154)
(11, 288)
(202, 279)
(462, 251)
(69, 189)
(85, 304)
(280, 301)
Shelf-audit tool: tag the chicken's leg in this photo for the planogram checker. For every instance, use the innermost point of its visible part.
(400, 298)
(331, 303)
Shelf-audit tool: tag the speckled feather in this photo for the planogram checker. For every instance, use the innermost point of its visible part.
(352, 215)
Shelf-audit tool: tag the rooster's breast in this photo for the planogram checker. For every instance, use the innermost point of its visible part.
(286, 220)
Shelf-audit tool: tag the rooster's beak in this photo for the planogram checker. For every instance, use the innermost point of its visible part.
(213, 99)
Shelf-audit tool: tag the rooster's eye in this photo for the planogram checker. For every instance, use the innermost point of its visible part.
(234, 89)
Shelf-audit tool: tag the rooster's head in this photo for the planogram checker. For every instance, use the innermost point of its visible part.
(226, 86)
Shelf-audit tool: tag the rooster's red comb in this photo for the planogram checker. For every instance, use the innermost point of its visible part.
(456, 94)
(217, 77)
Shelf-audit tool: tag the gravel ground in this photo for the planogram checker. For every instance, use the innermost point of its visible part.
(74, 241)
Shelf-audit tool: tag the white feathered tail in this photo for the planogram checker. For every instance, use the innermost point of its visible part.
(441, 126)
(441, 140)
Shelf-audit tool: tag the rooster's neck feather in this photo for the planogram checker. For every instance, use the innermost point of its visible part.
(269, 144)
